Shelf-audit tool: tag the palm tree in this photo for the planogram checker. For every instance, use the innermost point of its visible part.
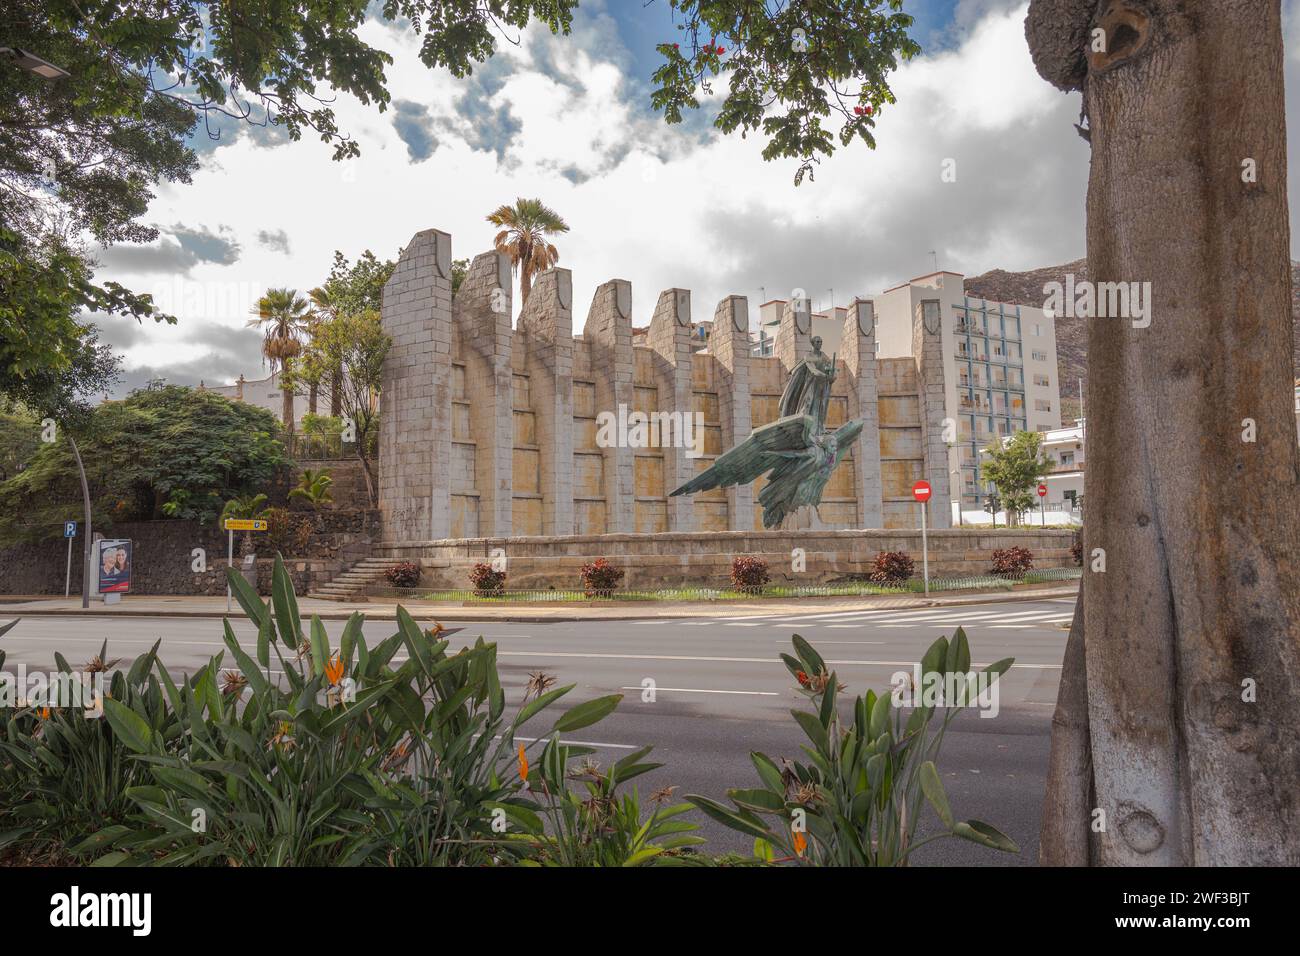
(526, 225)
(283, 316)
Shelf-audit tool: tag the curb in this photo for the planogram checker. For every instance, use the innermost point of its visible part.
(460, 614)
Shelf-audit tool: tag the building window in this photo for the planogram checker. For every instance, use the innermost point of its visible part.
(1042, 405)
(1039, 356)
(1038, 329)
(1042, 380)
(1067, 458)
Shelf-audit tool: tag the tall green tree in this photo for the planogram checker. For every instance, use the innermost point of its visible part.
(353, 346)
(167, 452)
(1014, 465)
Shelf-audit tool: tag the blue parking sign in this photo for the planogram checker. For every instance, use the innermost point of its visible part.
(69, 529)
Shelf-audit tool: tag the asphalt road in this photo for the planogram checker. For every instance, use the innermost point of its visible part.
(720, 691)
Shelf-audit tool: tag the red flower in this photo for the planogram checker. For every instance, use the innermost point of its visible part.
(867, 110)
(802, 678)
(721, 50)
(674, 46)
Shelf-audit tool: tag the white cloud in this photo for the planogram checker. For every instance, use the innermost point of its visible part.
(660, 206)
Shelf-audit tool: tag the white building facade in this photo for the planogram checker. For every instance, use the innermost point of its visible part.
(999, 368)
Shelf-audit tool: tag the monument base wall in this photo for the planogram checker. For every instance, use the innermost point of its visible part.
(703, 559)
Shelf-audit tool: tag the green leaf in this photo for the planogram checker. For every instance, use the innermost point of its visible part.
(132, 729)
(932, 787)
(320, 646)
(286, 605)
(809, 656)
(813, 728)
(143, 665)
(530, 709)
(985, 835)
(744, 822)
(763, 801)
(768, 771)
(588, 713)
(958, 657)
(265, 634)
(934, 659)
(6, 628)
(256, 679)
(243, 592)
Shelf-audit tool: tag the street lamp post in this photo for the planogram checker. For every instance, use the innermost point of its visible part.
(85, 497)
(33, 63)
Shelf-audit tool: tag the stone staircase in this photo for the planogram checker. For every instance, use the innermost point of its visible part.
(351, 584)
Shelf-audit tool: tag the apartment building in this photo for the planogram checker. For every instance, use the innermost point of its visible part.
(828, 323)
(1064, 447)
(999, 366)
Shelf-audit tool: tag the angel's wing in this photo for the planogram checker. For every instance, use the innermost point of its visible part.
(764, 449)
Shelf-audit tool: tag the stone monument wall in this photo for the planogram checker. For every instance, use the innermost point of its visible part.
(494, 432)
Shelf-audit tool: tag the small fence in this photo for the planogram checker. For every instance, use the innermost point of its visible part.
(914, 585)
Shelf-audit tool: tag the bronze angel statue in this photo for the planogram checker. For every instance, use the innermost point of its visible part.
(796, 451)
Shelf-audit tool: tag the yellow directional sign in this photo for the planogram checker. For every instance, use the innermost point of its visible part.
(245, 524)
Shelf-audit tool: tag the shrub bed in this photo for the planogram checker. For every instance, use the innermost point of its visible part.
(891, 567)
(748, 573)
(405, 574)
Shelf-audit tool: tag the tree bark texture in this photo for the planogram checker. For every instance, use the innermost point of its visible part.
(1179, 711)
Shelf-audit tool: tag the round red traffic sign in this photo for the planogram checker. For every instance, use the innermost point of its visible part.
(921, 491)
(1042, 490)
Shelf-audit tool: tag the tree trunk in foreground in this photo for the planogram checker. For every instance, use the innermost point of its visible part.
(1179, 712)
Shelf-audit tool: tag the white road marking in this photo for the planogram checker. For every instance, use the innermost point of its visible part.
(580, 743)
(731, 660)
(697, 690)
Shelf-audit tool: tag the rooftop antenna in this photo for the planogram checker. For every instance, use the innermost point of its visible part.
(936, 259)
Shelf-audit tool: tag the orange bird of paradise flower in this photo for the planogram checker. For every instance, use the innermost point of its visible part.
(800, 843)
(45, 713)
(523, 765)
(334, 669)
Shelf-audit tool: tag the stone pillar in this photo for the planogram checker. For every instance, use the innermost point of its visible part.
(794, 335)
(609, 330)
(927, 347)
(670, 338)
(415, 428)
(547, 319)
(730, 345)
(858, 346)
(482, 310)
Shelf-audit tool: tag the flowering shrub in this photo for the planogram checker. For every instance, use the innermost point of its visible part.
(404, 574)
(486, 580)
(600, 577)
(748, 571)
(891, 567)
(287, 533)
(1011, 561)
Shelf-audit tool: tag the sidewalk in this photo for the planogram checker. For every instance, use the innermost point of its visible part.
(215, 607)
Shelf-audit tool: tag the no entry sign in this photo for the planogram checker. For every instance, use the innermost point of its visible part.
(921, 491)
(1042, 490)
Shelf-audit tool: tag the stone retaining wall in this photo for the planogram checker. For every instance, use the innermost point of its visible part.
(163, 556)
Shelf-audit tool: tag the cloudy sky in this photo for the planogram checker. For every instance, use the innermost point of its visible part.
(568, 120)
